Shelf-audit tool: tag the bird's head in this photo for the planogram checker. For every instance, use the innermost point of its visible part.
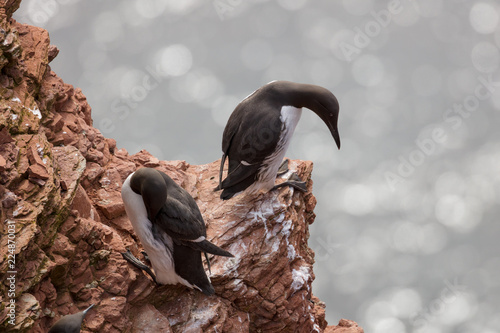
(317, 99)
(150, 184)
(326, 106)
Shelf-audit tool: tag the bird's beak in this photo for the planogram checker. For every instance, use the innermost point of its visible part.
(87, 309)
(336, 136)
(332, 126)
(329, 114)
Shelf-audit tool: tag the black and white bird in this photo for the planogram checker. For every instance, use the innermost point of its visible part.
(259, 131)
(70, 323)
(171, 228)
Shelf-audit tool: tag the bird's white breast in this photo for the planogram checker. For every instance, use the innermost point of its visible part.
(289, 117)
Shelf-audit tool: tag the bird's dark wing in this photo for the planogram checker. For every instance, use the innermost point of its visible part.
(185, 225)
(230, 130)
(239, 178)
(180, 219)
(188, 265)
(180, 216)
(249, 138)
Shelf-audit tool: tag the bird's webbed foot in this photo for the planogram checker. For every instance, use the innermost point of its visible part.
(146, 257)
(294, 180)
(139, 264)
(297, 184)
(208, 263)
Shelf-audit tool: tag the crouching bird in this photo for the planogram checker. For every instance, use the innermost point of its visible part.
(171, 229)
(70, 323)
(259, 130)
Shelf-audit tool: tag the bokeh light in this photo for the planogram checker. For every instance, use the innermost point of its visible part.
(200, 86)
(430, 8)
(222, 108)
(408, 13)
(446, 27)
(459, 213)
(108, 28)
(292, 4)
(426, 80)
(358, 7)
(484, 17)
(358, 199)
(175, 60)
(257, 54)
(149, 9)
(389, 325)
(368, 70)
(485, 57)
(341, 38)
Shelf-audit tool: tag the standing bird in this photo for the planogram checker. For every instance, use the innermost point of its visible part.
(70, 323)
(170, 226)
(259, 131)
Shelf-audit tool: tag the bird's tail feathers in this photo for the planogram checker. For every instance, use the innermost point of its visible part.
(206, 288)
(228, 194)
(206, 246)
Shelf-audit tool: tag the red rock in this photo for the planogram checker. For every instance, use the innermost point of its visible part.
(45, 292)
(38, 171)
(124, 169)
(25, 188)
(27, 311)
(110, 203)
(69, 258)
(9, 200)
(111, 180)
(122, 223)
(149, 319)
(63, 246)
(5, 136)
(121, 153)
(111, 144)
(93, 171)
(152, 163)
(57, 123)
(11, 6)
(83, 204)
(345, 326)
(96, 156)
(35, 45)
(53, 52)
(94, 321)
(3, 163)
(34, 151)
(113, 307)
(79, 230)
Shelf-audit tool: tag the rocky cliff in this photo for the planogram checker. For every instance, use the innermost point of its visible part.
(64, 224)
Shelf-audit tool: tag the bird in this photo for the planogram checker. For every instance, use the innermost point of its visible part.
(259, 131)
(70, 323)
(170, 226)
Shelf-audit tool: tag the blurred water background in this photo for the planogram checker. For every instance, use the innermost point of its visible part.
(406, 234)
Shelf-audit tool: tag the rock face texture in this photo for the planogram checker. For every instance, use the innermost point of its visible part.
(64, 224)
